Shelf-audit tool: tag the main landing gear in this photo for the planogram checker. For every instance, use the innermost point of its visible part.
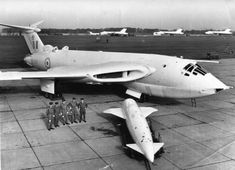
(52, 96)
(144, 98)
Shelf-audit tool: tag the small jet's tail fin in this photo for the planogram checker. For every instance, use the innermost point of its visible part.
(31, 37)
(157, 147)
(147, 110)
(123, 30)
(115, 111)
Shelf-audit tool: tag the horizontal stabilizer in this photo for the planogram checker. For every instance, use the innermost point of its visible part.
(135, 147)
(115, 111)
(147, 110)
(157, 146)
(32, 27)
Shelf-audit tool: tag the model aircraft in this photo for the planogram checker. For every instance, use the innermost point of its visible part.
(177, 32)
(111, 33)
(138, 127)
(141, 74)
(225, 32)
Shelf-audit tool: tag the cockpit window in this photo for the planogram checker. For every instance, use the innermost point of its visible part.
(195, 69)
(187, 66)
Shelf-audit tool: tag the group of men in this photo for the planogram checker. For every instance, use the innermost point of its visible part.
(65, 112)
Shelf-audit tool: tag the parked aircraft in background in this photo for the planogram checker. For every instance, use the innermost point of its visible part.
(177, 32)
(225, 32)
(151, 74)
(111, 33)
(93, 33)
(138, 127)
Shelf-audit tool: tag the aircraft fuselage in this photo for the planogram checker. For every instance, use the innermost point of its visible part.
(168, 80)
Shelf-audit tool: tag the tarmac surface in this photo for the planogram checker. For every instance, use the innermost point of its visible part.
(195, 138)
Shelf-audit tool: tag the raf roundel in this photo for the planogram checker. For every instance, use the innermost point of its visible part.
(47, 63)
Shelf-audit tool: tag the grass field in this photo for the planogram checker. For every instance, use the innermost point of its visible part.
(14, 49)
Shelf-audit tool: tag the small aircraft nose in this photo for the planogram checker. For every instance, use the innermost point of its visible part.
(213, 85)
(28, 60)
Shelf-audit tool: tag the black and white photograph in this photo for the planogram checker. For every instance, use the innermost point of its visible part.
(117, 85)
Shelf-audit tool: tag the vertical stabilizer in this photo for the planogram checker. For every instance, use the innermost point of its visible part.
(33, 42)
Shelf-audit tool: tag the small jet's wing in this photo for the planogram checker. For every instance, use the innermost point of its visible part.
(157, 146)
(135, 147)
(115, 111)
(147, 110)
(113, 72)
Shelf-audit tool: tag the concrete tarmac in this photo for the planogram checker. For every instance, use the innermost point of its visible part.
(195, 138)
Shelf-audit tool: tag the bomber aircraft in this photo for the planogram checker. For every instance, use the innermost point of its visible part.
(111, 33)
(225, 32)
(141, 74)
(177, 32)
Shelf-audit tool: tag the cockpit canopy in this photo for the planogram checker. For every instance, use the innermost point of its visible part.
(194, 69)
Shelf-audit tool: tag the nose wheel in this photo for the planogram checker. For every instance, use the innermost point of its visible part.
(194, 103)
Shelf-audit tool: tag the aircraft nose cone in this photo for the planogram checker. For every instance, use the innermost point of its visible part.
(213, 85)
(28, 60)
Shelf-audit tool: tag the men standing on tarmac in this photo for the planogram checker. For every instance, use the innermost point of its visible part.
(82, 106)
(64, 112)
(50, 113)
(70, 112)
(74, 105)
(57, 114)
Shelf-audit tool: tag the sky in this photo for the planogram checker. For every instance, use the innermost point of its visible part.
(162, 14)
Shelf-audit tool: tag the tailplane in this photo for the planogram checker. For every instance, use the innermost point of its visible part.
(31, 37)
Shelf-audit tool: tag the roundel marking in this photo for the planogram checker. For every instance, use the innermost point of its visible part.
(47, 63)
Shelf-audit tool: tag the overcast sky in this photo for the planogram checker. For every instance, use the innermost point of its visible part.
(163, 14)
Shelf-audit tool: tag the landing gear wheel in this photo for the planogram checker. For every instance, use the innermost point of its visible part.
(46, 95)
(143, 98)
(51, 96)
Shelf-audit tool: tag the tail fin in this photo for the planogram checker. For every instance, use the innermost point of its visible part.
(123, 30)
(179, 30)
(227, 30)
(31, 37)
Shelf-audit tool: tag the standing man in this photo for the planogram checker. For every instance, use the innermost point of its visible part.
(74, 105)
(70, 112)
(50, 113)
(64, 112)
(57, 114)
(83, 106)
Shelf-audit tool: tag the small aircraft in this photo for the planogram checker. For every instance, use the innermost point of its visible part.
(111, 33)
(138, 127)
(177, 32)
(225, 32)
(142, 74)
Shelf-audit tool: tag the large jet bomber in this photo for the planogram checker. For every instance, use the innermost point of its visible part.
(225, 32)
(177, 32)
(141, 74)
(111, 33)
